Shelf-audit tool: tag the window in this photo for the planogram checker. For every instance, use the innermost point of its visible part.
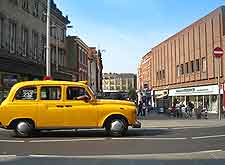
(35, 44)
(73, 93)
(178, 70)
(197, 65)
(43, 50)
(12, 36)
(203, 64)
(24, 40)
(186, 68)
(26, 93)
(62, 34)
(192, 67)
(43, 16)
(35, 9)
(2, 31)
(182, 69)
(25, 5)
(15, 2)
(51, 93)
(163, 74)
(160, 75)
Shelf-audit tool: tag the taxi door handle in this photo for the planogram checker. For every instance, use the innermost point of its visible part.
(68, 106)
(59, 106)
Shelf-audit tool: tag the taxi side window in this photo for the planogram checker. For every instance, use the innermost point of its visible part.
(50, 93)
(26, 93)
(74, 92)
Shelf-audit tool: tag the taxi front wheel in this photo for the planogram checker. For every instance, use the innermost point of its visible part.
(116, 127)
(23, 128)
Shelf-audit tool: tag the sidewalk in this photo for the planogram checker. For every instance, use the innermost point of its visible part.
(161, 120)
(182, 123)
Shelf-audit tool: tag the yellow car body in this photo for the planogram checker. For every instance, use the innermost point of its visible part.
(25, 102)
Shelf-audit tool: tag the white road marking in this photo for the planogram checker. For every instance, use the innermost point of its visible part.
(205, 137)
(6, 156)
(66, 140)
(12, 141)
(136, 156)
(147, 138)
(211, 151)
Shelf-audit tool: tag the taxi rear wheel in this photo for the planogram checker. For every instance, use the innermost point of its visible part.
(116, 127)
(23, 128)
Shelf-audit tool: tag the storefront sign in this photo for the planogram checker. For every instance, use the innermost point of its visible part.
(162, 92)
(202, 90)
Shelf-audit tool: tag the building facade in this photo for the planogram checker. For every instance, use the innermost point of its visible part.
(183, 65)
(114, 82)
(92, 68)
(23, 41)
(78, 57)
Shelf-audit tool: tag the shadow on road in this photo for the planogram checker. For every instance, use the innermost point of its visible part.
(98, 133)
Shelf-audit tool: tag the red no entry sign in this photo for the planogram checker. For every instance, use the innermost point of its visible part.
(218, 52)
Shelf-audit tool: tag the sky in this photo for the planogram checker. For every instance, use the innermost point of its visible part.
(128, 29)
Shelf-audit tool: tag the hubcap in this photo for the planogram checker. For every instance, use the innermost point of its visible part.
(23, 128)
(117, 126)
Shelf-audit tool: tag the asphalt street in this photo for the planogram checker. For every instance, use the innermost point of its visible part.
(140, 146)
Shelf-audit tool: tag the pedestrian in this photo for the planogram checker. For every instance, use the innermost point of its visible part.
(143, 109)
(139, 108)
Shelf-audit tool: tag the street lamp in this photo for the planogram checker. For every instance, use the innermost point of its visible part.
(48, 58)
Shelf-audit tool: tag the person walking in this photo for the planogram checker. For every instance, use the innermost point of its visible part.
(140, 104)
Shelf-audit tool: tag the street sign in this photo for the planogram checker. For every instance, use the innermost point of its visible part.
(218, 52)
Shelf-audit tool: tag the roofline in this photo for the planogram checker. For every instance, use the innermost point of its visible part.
(192, 24)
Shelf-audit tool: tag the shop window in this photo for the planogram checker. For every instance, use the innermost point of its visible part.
(203, 64)
(51, 93)
(192, 67)
(197, 65)
(27, 93)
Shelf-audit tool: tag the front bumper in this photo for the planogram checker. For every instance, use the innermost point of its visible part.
(137, 124)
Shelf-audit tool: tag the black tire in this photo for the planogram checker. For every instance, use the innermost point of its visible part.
(121, 132)
(27, 132)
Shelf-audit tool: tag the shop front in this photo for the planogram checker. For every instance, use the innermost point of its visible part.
(161, 99)
(205, 95)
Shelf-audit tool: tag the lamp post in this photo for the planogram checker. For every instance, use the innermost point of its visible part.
(48, 58)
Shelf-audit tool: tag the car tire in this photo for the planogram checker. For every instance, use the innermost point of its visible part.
(23, 128)
(116, 127)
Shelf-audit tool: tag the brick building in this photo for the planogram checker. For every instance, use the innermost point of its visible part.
(183, 66)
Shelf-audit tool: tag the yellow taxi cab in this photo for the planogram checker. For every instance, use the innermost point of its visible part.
(49, 104)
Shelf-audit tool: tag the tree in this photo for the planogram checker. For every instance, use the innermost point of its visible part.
(132, 93)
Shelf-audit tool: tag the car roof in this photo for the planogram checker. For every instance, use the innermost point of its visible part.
(49, 82)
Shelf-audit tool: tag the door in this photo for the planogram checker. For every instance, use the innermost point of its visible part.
(51, 107)
(78, 112)
(23, 105)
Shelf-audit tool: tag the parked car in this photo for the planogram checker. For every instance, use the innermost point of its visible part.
(45, 105)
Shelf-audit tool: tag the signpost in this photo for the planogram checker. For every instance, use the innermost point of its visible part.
(218, 54)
